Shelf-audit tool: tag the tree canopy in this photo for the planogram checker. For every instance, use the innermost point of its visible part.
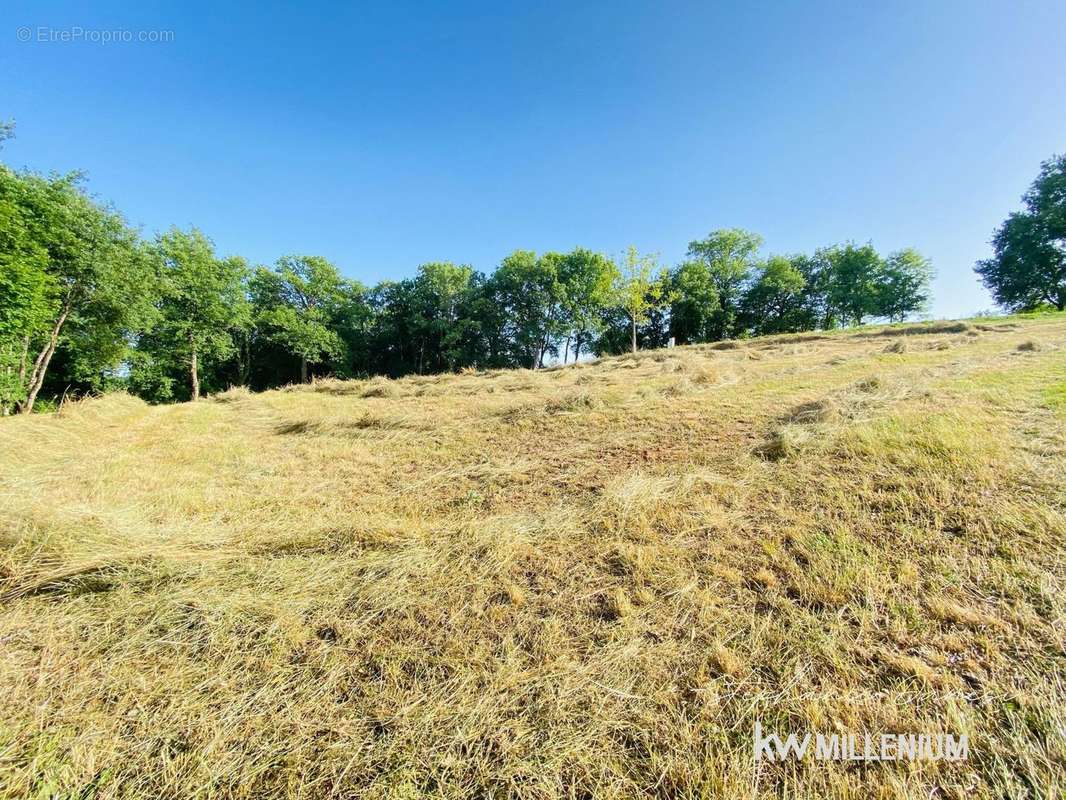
(76, 277)
(297, 306)
(729, 255)
(202, 307)
(1028, 267)
(86, 303)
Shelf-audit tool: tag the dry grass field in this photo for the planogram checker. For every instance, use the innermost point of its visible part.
(585, 582)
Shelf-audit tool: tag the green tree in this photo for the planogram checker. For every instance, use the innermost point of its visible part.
(904, 285)
(694, 306)
(730, 256)
(440, 289)
(1028, 268)
(202, 308)
(587, 280)
(527, 291)
(97, 288)
(422, 324)
(297, 304)
(392, 349)
(853, 288)
(640, 289)
(815, 310)
(27, 289)
(774, 298)
(353, 320)
(483, 332)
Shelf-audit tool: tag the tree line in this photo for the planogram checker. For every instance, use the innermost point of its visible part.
(88, 304)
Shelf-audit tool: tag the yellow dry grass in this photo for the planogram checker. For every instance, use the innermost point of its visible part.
(587, 582)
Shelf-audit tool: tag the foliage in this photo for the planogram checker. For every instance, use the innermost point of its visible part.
(640, 290)
(903, 288)
(202, 308)
(1028, 268)
(527, 291)
(422, 323)
(88, 305)
(297, 304)
(730, 257)
(81, 282)
(28, 290)
(772, 303)
(694, 306)
(588, 280)
(853, 289)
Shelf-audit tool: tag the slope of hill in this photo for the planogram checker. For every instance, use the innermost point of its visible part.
(589, 581)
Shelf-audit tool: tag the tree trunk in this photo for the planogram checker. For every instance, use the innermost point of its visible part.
(633, 332)
(194, 375)
(22, 361)
(244, 371)
(566, 350)
(303, 369)
(40, 364)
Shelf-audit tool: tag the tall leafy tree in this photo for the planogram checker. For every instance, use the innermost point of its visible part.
(587, 280)
(1028, 266)
(774, 301)
(816, 310)
(27, 289)
(528, 292)
(440, 290)
(353, 319)
(853, 289)
(297, 305)
(903, 287)
(423, 324)
(202, 309)
(730, 256)
(640, 289)
(392, 306)
(97, 287)
(483, 330)
(694, 305)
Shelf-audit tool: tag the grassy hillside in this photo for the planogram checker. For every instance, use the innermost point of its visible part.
(583, 582)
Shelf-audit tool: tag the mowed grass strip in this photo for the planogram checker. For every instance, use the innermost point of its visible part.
(588, 581)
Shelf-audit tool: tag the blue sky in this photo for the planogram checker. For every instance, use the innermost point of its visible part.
(383, 136)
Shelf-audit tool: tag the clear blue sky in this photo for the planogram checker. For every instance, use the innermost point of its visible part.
(383, 136)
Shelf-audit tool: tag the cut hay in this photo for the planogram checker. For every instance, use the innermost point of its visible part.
(584, 583)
